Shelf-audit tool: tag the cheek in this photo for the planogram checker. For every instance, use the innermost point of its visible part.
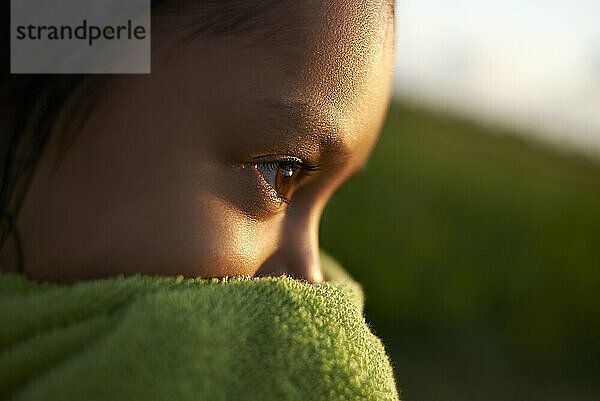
(226, 242)
(233, 230)
(195, 235)
(154, 211)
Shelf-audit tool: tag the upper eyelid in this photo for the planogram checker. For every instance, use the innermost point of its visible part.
(274, 158)
(305, 165)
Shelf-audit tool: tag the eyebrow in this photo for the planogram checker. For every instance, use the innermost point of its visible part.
(296, 118)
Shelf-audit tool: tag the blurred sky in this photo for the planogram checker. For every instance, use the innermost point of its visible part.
(529, 63)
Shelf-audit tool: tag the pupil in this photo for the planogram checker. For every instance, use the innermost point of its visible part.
(288, 171)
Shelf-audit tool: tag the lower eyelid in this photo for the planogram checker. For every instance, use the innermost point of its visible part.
(268, 193)
(263, 182)
(244, 192)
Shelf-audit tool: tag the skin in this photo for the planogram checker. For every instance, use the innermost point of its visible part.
(164, 176)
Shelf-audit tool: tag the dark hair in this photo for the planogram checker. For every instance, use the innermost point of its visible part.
(30, 104)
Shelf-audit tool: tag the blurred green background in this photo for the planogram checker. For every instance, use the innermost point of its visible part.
(479, 254)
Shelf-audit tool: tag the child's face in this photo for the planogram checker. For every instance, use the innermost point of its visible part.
(208, 166)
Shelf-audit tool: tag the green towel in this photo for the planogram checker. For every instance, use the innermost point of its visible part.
(170, 338)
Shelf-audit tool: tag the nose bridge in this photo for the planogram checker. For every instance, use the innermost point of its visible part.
(297, 254)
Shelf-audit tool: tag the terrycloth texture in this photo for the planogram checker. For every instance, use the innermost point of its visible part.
(162, 338)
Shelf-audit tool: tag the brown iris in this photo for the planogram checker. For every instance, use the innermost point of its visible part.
(281, 176)
(284, 181)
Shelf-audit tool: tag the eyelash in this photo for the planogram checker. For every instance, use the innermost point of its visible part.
(304, 167)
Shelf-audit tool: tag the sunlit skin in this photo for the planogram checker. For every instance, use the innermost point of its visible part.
(179, 172)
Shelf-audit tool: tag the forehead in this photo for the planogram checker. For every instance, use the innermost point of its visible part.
(344, 50)
(328, 68)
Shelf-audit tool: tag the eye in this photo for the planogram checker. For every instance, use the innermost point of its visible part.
(280, 175)
(283, 175)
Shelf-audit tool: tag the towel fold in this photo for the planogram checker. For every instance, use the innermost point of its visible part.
(167, 338)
